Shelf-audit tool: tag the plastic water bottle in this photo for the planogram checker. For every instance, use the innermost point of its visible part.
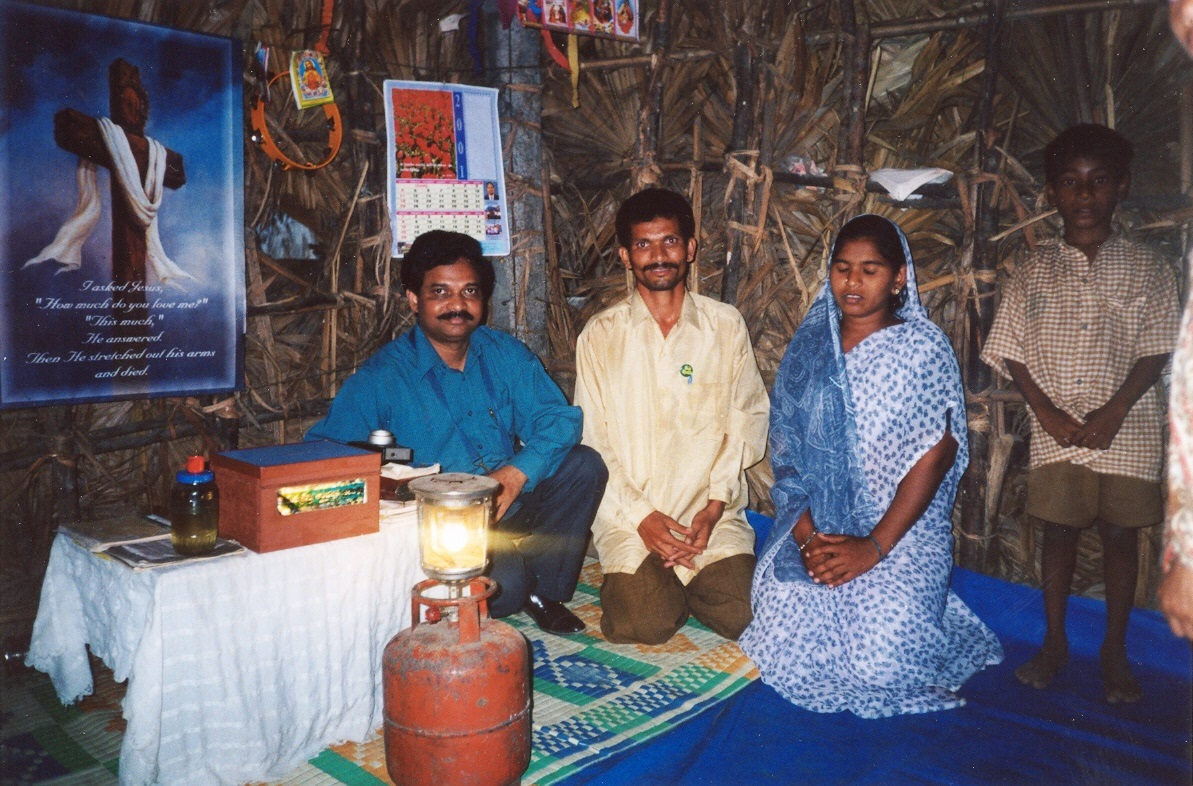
(194, 509)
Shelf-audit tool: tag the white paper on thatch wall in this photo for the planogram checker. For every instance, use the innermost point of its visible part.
(444, 166)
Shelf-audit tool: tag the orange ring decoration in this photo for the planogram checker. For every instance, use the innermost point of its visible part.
(335, 133)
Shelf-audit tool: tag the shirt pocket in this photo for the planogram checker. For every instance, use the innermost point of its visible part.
(1124, 315)
(1127, 303)
(702, 411)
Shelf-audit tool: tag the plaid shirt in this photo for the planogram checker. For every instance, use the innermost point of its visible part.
(1079, 327)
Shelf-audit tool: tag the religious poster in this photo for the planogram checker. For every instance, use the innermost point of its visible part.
(308, 77)
(121, 164)
(605, 18)
(444, 163)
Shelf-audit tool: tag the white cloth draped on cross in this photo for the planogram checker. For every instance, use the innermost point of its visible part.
(144, 200)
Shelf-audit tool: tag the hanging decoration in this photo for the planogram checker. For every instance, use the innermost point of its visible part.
(262, 136)
(603, 18)
(308, 77)
(556, 54)
(312, 87)
(574, 67)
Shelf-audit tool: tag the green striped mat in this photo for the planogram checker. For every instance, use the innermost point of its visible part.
(592, 699)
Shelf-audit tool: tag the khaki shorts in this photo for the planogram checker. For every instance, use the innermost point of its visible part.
(1075, 496)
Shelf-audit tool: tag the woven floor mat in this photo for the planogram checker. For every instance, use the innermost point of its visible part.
(592, 699)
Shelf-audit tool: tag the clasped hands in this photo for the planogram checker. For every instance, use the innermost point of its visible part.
(673, 542)
(833, 560)
(1097, 432)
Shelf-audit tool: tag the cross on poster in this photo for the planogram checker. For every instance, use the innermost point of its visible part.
(122, 231)
(444, 163)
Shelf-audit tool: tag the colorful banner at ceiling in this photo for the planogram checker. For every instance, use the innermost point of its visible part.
(605, 18)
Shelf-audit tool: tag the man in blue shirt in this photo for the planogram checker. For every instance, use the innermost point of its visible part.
(477, 400)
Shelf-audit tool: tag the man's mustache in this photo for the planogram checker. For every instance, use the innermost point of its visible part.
(662, 266)
(466, 315)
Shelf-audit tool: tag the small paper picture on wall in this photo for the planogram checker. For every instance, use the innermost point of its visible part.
(557, 13)
(579, 16)
(602, 17)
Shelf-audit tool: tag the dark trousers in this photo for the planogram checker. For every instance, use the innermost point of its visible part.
(649, 605)
(540, 548)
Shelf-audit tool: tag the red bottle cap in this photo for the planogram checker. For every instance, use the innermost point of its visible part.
(196, 464)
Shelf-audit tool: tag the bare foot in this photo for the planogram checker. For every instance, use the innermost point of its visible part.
(1118, 682)
(1041, 669)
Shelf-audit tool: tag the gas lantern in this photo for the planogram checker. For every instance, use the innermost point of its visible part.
(457, 691)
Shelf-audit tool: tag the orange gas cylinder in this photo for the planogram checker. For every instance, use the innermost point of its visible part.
(457, 695)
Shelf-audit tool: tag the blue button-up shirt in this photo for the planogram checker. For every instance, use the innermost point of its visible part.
(501, 409)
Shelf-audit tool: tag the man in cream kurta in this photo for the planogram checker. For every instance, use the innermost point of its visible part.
(675, 405)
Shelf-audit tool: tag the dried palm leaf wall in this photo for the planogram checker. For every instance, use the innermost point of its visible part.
(922, 94)
(313, 321)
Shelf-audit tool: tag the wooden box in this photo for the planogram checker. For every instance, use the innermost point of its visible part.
(294, 495)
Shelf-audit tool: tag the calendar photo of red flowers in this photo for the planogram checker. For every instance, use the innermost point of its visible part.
(444, 163)
(424, 135)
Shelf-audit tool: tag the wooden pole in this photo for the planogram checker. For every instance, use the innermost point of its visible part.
(1079, 72)
(933, 196)
(851, 133)
(743, 212)
(735, 209)
(614, 63)
(905, 27)
(1186, 136)
(60, 441)
(978, 549)
(59, 424)
(860, 76)
(696, 197)
(650, 110)
(848, 32)
(519, 303)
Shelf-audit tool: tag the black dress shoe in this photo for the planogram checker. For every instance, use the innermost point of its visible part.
(552, 616)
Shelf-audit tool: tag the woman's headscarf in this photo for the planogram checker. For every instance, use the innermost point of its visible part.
(813, 435)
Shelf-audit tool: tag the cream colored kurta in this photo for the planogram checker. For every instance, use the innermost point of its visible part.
(677, 420)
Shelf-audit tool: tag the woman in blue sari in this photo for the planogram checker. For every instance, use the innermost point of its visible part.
(852, 607)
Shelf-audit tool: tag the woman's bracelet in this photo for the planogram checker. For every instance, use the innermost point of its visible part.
(811, 537)
(877, 547)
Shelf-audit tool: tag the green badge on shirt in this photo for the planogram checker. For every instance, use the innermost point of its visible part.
(686, 371)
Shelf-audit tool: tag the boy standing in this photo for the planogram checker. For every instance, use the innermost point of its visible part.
(1084, 330)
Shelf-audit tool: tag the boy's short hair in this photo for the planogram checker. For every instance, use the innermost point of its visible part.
(1088, 141)
(440, 247)
(652, 203)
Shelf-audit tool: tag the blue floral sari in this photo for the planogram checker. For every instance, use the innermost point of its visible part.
(845, 430)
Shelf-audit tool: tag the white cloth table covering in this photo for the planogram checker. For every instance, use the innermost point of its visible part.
(239, 668)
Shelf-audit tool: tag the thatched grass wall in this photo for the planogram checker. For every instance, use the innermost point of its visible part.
(816, 103)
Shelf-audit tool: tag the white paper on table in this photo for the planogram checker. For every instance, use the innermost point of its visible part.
(404, 472)
(901, 183)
